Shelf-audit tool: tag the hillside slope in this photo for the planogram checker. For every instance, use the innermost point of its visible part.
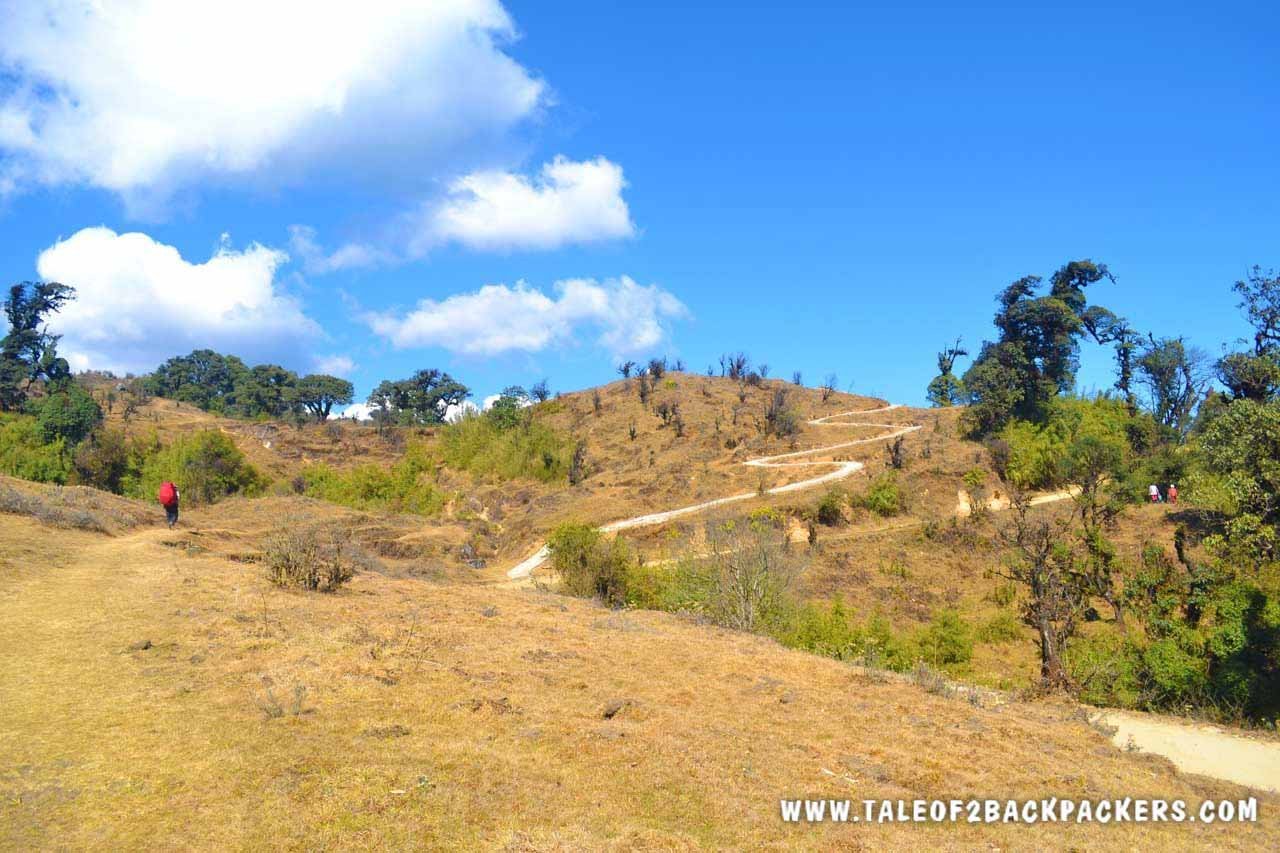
(171, 697)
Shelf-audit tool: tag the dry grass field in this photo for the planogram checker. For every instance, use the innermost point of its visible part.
(159, 693)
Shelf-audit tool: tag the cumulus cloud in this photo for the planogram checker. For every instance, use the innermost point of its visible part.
(567, 202)
(139, 302)
(335, 365)
(145, 96)
(624, 317)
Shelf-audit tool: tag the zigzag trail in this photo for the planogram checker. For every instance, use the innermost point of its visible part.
(842, 470)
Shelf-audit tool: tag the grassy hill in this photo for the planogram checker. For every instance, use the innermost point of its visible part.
(159, 692)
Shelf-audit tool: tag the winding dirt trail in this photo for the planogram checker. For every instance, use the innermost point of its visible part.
(839, 472)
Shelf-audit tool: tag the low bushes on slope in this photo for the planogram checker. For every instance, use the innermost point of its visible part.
(407, 486)
(528, 450)
(206, 467)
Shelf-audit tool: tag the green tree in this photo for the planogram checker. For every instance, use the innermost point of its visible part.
(204, 378)
(421, 399)
(1241, 448)
(508, 411)
(319, 393)
(1037, 354)
(68, 412)
(946, 389)
(1256, 375)
(265, 390)
(28, 353)
(1176, 378)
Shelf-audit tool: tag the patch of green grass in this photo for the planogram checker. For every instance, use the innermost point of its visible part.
(408, 486)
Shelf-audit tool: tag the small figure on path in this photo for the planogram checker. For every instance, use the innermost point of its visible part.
(1173, 493)
(168, 497)
(1154, 492)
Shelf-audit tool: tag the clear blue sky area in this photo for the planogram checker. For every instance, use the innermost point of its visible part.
(828, 187)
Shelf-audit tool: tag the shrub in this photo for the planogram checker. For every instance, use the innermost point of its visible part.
(69, 413)
(947, 640)
(1001, 628)
(24, 454)
(589, 565)
(310, 557)
(407, 486)
(830, 509)
(104, 461)
(205, 466)
(530, 450)
(883, 496)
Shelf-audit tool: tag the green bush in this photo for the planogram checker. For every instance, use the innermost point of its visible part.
(589, 564)
(205, 466)
(884, 496)
(1107, 668)
(528, 450)
(25, 454)
(830, 509)
(104, 461)
(407, 486)
(1039, 453)
(68, 413)
(1001, 628)
(947, 640)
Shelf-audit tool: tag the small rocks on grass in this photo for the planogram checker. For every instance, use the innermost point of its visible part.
(489, 612)
(386, 732)
(140, 646)
(615, 707)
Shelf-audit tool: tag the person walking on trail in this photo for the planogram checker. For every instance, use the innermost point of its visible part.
(168, 497)
(1173, 493)
(1154, 492)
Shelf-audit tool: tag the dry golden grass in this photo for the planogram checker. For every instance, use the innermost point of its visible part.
(441, 714)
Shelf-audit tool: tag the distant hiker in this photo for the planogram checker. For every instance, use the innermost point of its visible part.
(1154, 492)
(1173, 493)
(169, 500)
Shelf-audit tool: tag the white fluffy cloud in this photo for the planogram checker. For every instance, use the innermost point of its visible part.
(567, 202)
(625, 317)
(139, 302)
(318, 260)
(335, 365)
(144, 96)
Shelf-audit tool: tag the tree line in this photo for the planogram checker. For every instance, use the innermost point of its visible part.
(1205, 607)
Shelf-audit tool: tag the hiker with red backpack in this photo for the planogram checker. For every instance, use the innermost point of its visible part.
(169, 500)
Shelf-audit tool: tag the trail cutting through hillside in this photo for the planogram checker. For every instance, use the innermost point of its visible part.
(841, 470)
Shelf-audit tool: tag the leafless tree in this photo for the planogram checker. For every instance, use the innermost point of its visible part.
(829, 386)
(1048, 567)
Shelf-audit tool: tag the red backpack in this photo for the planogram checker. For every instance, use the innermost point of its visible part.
(168, 494)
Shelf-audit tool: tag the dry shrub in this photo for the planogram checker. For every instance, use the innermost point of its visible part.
(313, 557)
(72, 507)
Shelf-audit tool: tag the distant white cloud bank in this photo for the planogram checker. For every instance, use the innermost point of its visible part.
(618, 314)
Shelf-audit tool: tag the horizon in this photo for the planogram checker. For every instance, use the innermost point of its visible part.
(463, 192)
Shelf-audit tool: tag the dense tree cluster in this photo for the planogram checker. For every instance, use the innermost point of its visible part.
(424, 398)
(226, 385)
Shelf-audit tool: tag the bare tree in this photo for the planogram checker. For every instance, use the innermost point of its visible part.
(750, 574)
(1046, 565)
(897, 458)
(734, 365)
(829, 386)
(540, 391)
(797, 379)
(578, 464)
(626, 369)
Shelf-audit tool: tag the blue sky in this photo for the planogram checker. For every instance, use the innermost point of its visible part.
(834, 187)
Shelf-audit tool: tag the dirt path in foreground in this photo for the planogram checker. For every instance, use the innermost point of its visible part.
(1197, 748)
